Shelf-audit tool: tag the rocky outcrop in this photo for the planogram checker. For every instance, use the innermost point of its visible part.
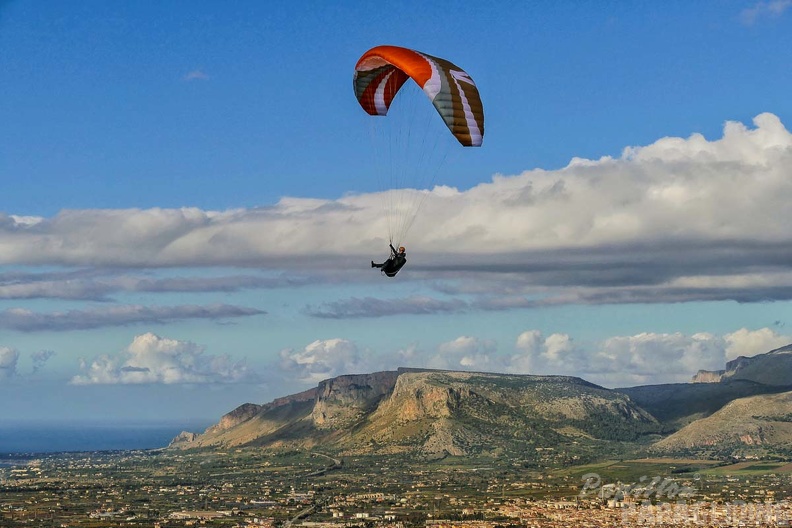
(185, 437)
(415, 397)
(300, 397)
(344, 400)
(708, 376)
(437, 413)
(244, 412)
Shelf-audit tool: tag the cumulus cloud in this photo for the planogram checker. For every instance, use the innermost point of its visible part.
(618, 361)
(537, 354)
(154, 359)
(769, 9)
(465, 353)
(655, 358)
(679, 219)
(746, 342)
(322, 359)
(8, 362)
(24, 320)
(327, 358)
(644, 358)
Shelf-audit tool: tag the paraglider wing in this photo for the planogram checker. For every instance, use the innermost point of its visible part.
(382, 70)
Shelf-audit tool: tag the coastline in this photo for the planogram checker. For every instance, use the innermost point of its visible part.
(48, 437)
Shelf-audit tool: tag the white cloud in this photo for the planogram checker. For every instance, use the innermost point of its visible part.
(8, 362)
(618, 361)
(681, 209)
(465, 353)
(154, 359)
(645, 358)
(676, 186)
(539, 355)
(655, 358)
(640, 359)
(746, 342)
(322, 359)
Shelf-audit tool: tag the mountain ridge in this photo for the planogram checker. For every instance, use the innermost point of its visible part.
(770, 368)
(435, 413)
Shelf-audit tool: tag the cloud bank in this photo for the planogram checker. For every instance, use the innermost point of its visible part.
(644, 358)
(680, 219)
(619, 361)
(24, 320)
(99, 285)
(370, 307)
(154, 359)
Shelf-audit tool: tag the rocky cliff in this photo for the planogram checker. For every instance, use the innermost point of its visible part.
(708, 376)
(344, 400)
(185, 437)
(244, 412)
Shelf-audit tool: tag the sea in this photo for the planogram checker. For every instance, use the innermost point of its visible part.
(26, 438)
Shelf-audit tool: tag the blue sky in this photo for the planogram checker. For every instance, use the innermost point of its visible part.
(188, 205)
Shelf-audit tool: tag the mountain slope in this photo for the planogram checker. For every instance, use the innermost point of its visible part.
(470, 413)
(754, 425)
(249, 421)
(678, 404)
(771, 368)
(435, 413)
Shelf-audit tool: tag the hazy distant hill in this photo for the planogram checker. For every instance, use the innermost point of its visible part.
(678, 404)
(741, 409)
(754, 425)
(771, 368)
(433, 413)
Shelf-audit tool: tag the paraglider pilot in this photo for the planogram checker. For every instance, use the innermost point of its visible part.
(396, 261)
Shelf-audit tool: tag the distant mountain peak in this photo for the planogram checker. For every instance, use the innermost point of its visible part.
(771, 368)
